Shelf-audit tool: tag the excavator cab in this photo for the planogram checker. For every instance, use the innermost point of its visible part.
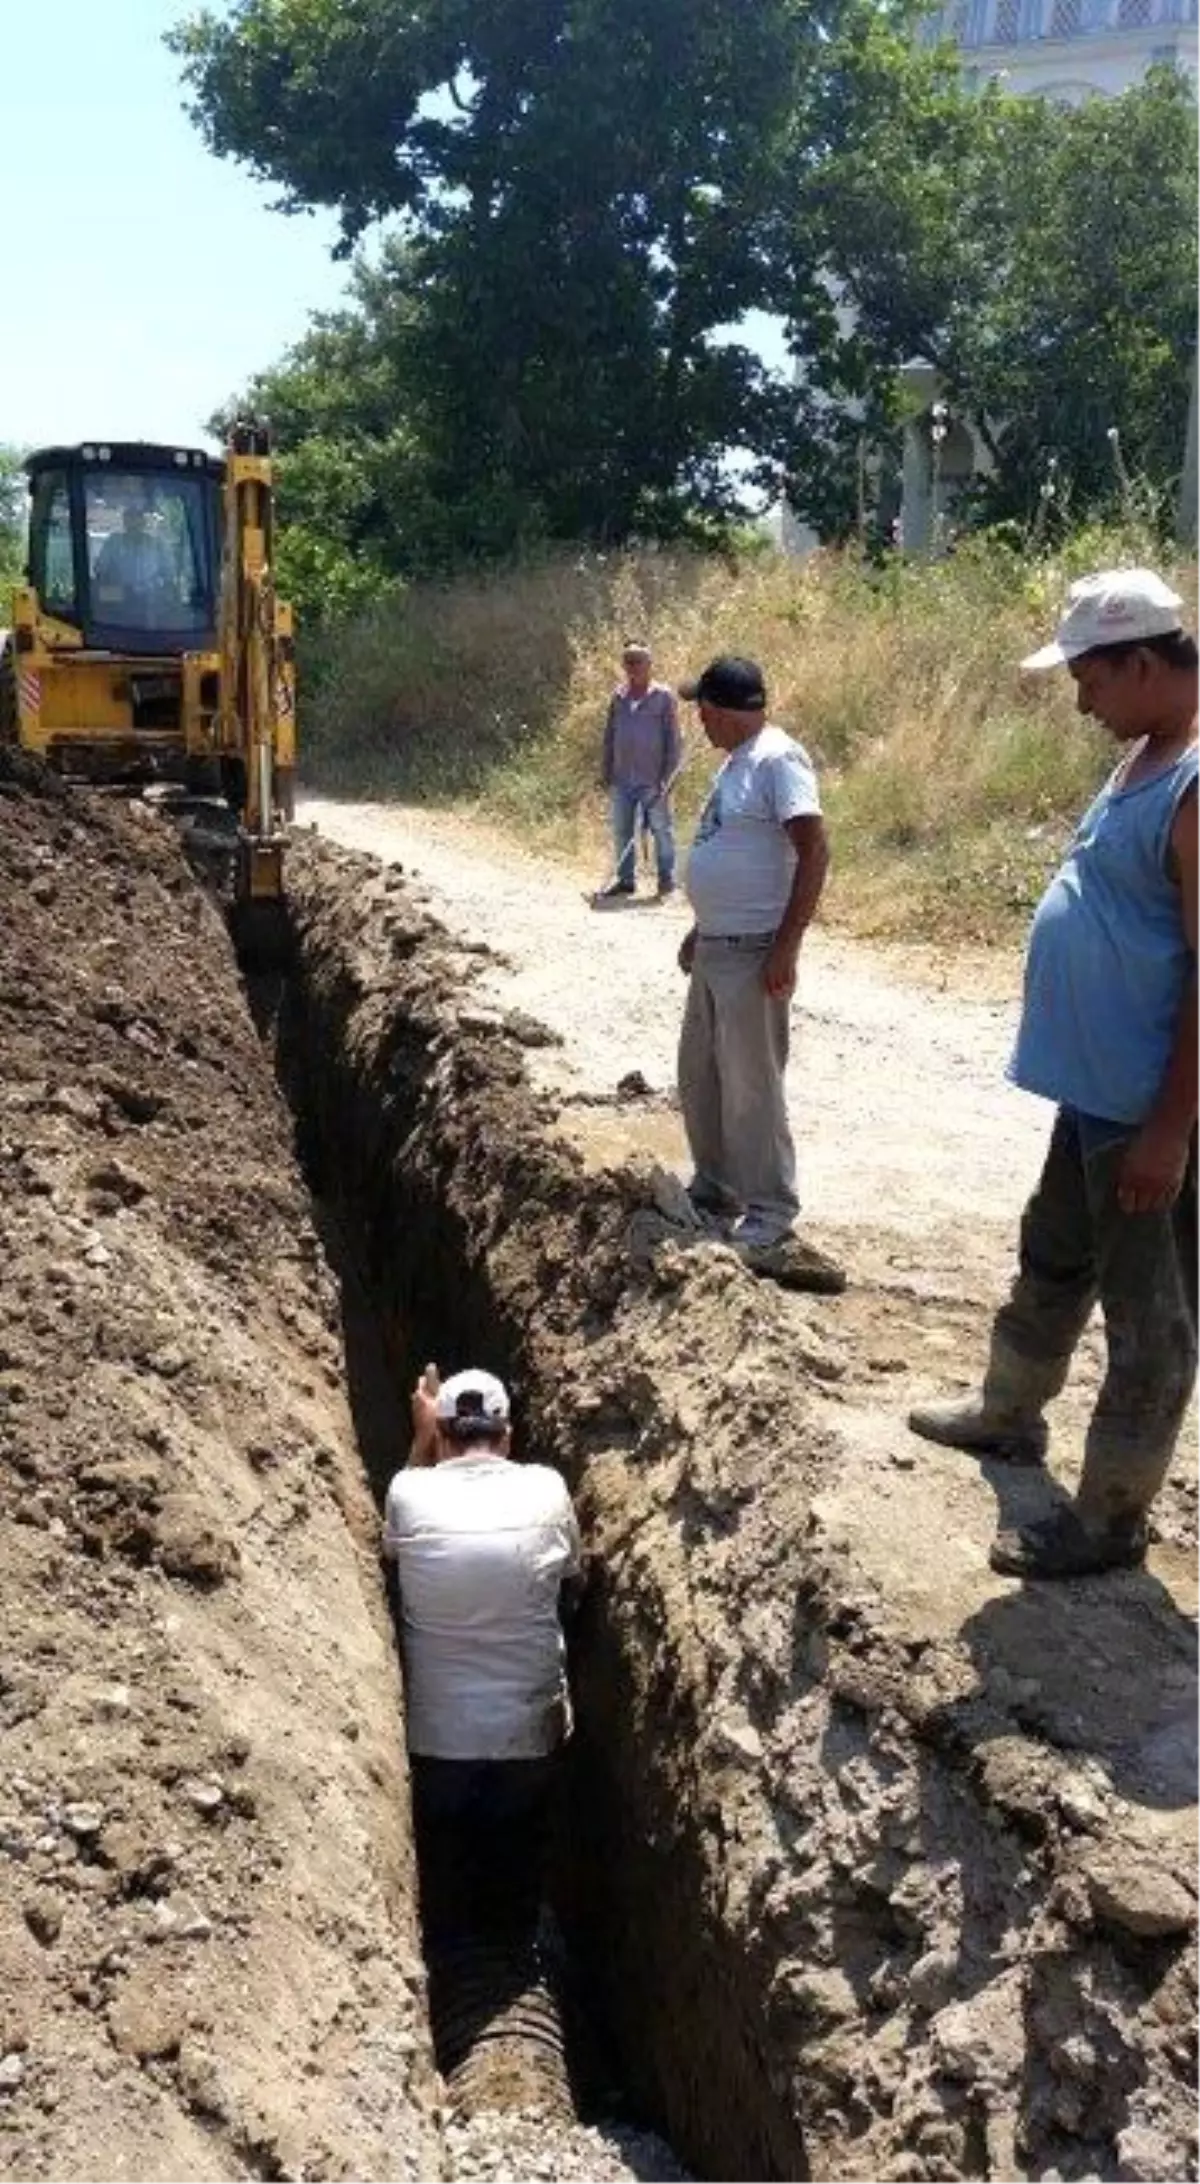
(125, 546)
(147, 643)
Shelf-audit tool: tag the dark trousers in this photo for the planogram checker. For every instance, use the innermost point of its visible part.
(482, 1831)
(1078, 1248)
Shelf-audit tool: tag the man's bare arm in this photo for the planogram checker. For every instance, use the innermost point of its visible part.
(808, 838)
(424, 1419)
(1156, 1159)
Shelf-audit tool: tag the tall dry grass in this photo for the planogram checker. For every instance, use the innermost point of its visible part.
(436, 695)
(950, 783)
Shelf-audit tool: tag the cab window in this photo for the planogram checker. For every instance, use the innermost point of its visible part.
(148, 558)
(51, 543)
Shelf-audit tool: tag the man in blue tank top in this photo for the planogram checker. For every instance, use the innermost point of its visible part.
(1108, 1032)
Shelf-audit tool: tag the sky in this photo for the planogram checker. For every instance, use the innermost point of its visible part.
(145, 281)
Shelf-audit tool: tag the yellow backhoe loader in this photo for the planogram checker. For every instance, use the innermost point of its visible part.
(147, 643)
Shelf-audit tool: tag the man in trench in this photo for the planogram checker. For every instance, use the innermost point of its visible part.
(754, 878)
(1108, 1032)
(483, 1547)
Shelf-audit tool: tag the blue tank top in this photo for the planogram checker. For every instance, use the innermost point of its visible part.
(1109, 963)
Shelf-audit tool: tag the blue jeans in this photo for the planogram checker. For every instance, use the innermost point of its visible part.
(629, 808)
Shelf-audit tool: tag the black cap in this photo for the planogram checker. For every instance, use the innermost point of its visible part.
(730, 682)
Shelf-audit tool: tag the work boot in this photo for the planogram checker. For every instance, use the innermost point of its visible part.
(614, 889)
(1062, 1545)
(793, 1263)
(757, 1232)
(1005, 1418)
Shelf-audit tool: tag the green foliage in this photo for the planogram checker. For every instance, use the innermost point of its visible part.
(12, 525)
(439, 690)
(589, 190)
(586, 196)
(1044, 260)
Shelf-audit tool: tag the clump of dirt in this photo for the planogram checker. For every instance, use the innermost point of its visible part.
(208, 1959)
(887, 1865)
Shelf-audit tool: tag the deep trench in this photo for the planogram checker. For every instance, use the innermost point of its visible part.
(563, 2030)
(502, 2014)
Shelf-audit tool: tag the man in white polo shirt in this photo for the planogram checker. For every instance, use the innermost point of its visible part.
(482, 1547)
(754, 878)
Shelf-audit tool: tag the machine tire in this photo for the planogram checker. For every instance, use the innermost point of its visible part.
(202, 776)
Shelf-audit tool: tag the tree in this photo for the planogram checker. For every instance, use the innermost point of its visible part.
(347, 466)
(359, 499)
(1044, 260)
(587, 191)
(586, 195)
(12, 525)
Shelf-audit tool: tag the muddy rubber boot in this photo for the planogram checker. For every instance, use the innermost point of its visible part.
(1062, 1545)
(1123, 1472)
(1005, 1418)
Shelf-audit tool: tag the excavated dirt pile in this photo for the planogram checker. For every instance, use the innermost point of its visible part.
(859, 1899)
(208, 1959)
(854, 1887)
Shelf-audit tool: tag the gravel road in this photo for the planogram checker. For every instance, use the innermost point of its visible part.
(902, 1115)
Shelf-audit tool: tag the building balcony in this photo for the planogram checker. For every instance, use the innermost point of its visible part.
(975, 23)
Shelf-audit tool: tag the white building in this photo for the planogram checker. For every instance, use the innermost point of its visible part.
(1069, 50)
(1066, 49)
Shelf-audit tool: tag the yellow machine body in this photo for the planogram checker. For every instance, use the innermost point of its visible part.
(148, 644)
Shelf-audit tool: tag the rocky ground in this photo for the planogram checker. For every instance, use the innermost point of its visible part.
(877, 1865)
(526, 2144)
(915, 1154)
(208, 1957)
(209, 1964)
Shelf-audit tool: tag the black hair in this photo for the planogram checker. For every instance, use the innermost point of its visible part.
(465, 1430)
(1176, 650)
(471, 1422)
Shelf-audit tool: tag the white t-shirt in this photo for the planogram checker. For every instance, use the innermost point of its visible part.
(481, 1546)
(741, 864)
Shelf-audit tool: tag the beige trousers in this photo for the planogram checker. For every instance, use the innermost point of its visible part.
(733, 1051)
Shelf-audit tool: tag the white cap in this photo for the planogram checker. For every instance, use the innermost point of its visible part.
(474, 1402)
(1117, 607)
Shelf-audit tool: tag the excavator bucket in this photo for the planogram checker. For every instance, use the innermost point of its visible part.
(259, 919)
(262, 936)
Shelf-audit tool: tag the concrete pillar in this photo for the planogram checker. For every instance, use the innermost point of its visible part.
(916, 505)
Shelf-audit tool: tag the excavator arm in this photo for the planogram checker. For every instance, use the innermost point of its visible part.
(256, 712)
